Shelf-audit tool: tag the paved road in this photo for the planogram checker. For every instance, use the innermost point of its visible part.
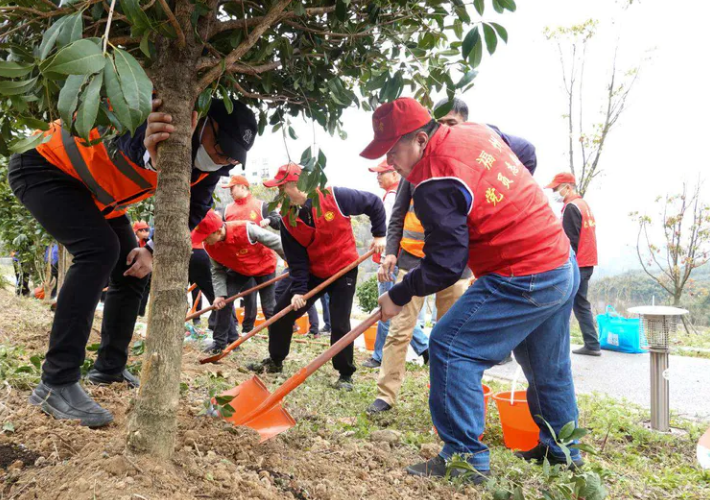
(628, 376)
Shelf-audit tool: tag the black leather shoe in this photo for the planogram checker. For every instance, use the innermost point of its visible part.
(436, 467)
(267, 365)
(100, 378)
(213, 348)
(70, 402)
(344, 383)
(587, 351)
(378, 406)
(540, 452)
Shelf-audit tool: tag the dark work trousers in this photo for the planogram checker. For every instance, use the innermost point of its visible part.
(55, 275)
(146, 296)
(225, 332)
(341, 294)
(583, 310)
(66, 210)
(200, 273)
(250, 309)
(283, 286)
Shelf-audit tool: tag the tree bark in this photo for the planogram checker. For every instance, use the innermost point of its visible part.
(153, 422)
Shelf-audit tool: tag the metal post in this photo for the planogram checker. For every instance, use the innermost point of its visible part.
(660, 405)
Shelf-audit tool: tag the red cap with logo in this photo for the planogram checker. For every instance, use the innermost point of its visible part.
(382, 167)
(141, 224)
(286, 173)
(563, 178)
(238, 180)
(211, 223)
(393, 120)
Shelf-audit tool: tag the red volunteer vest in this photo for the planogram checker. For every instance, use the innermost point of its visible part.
(331, 243)
(587, 247)
(241, 255)
(247, 209)
(512, 229)
(114, 181)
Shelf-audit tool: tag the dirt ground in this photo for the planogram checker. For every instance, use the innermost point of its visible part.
(43, 458)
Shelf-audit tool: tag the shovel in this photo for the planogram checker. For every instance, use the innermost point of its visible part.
(273, 319)
(255, 407)
(237, 296)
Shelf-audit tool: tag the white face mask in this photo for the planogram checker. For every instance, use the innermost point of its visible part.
(203, 161)
(558, 197)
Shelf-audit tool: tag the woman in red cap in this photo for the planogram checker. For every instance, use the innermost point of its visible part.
(480, 206)
(320, 244)
(241, 252)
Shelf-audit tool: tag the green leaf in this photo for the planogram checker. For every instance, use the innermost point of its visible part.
(508, 4)
(476, 55)
(497, 6)
(341, 11)
(472, 39)
(10, 69)
(137, 87)
(114, 93)
(71, 30)
(89, 107)
(36, 361)
(299, 9)
(145, 45)
(491, 38)
(226, 411)
(566, 431)
(502, 32)
(25, 369)
(82, 57)
(8, 427)
(292, 133)
(480, 6)
(69, 98)
(458, 28)
(306, 155)
(15, 87)
(33, 123)
(467, 78)
(578, 434)
(443, 110)
(139, 20)
(223, 400)
(228, 103)
(50, 37)
(93, 347)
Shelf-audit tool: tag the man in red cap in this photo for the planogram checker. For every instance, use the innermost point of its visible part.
(240, 252)
(580, 227)
(480, 206)
(142, 232)
(248, 208)
(317, 246)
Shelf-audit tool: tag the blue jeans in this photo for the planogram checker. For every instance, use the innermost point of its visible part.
(529, 315)
(419, 342)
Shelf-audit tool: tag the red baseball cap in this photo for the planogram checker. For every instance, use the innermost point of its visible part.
(563, 178)
(286, 173)
(238, 180)
(393, 120)
(137, 226)
(211, 223)
(382, 167)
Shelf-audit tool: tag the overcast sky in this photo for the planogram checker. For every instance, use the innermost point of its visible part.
(653, 148)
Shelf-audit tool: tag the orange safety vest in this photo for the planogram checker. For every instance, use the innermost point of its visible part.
(114, 181)
(247, 209)
(413, 235)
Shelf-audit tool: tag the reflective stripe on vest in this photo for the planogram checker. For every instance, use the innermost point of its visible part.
(82, 169)
(413, 234)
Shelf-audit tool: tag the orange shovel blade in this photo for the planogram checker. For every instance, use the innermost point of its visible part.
(249, 395)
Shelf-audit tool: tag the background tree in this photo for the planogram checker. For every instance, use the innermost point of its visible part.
(683, 227)
(285, 58)
(588, 138)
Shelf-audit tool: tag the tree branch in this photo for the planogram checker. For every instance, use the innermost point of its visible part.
(267, 21)
(174, 23)
(255, 21)
(265, 97)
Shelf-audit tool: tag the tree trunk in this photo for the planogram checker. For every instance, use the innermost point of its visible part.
(153, 422)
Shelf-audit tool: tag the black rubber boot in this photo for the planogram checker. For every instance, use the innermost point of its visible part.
(100, 378)
(267, 365)
(436, 467)
(587, 351)
(378, 406)
(70, 402)
(344, 383)
(540, 452)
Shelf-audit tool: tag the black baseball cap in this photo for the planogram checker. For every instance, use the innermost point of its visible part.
(237, 130)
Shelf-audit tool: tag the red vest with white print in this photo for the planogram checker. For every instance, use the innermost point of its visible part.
(587, 246)
(512, 229)
(241, 255)
(331, 243)
(248, 209)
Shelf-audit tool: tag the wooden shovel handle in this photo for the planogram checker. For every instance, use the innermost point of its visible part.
(288, 309)
(299, 377)
(239, 295)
